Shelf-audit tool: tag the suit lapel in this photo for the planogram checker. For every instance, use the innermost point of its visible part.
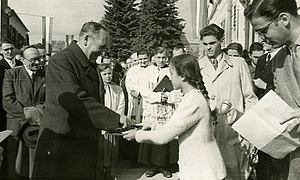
(39, 82)
(91, 72)
(5, 64)
(206, 67)
(294, 86)
(27, 80)
(84, 61)
(224, 64)
(267, 71)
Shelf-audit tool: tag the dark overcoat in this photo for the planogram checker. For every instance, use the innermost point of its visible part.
(69, 145)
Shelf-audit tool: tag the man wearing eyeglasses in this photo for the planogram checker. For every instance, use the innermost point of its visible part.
(7, 49)
(278, 24)
(23, 99)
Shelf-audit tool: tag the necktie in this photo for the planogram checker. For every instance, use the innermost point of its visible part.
(296, 62)
(268, 59)
(33, 80)
(158, 70)
(215, 63)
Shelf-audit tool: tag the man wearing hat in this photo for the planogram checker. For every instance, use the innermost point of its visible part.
(23, 99)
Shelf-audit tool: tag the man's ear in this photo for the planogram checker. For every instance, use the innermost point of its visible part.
(86, 39)
(285, 18)
(183, 79)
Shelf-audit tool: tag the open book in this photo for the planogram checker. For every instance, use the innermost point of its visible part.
(260, 126)
(4, 134)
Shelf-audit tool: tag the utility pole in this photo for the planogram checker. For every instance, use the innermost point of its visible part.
(47, 28)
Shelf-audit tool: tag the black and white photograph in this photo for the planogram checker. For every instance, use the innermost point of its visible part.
(150, 90)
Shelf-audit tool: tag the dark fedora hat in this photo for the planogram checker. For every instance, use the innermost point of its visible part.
(29, 134)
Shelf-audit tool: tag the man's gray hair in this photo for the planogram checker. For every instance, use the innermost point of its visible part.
(92, 27)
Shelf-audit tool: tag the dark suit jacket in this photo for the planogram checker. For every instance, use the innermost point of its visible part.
(264, 71)
(73, 117)
(3, 67)
(18, 91)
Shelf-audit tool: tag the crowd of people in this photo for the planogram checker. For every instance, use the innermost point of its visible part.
(74, 115)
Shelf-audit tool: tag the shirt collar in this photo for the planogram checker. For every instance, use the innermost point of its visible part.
(218, 58)
(274, 52)
(10, 62)
(297, 41)
(29, 71)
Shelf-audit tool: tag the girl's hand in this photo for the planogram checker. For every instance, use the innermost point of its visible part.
(130, 134)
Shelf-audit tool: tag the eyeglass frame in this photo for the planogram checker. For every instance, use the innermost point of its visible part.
(6, 50)
(266, 28)
(33, 60)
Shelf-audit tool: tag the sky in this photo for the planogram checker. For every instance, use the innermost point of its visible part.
(68, 15)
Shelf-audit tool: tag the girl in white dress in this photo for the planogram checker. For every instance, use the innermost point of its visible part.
(199, 155)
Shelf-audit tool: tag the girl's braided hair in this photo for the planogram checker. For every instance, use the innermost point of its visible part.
(186, 65)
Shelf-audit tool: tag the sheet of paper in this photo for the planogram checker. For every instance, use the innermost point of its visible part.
(260, 126)
(4, 134)
(272, 109)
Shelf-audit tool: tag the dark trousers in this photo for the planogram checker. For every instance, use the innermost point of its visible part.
(269, 168)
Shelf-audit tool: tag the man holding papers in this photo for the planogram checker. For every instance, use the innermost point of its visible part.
(278, 23)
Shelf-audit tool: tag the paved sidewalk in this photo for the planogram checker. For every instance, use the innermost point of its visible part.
(123, 172)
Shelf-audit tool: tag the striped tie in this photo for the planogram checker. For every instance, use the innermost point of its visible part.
(215, 63)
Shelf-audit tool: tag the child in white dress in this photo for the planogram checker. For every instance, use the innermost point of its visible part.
(114, 100)
(199, 155)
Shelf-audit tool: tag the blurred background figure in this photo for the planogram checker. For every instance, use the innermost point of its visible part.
(234, 49)
(133, 82)
(135, 59)
(267, 47)
(129, 62)
(255, 51)
(114, 100)
(123, 64)
(112, 62)
(178, 50)
(48, 56)
(42, 51)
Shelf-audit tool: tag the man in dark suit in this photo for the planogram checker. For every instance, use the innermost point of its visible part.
(69, 145)
(263, 78)
(23, 94)
(7, 49)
